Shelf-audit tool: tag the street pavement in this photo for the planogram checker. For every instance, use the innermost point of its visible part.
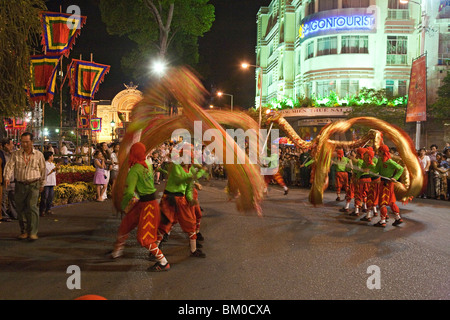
(294, 252)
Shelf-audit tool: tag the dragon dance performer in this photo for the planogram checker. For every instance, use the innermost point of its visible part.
(343, 165)
(145, 214)
(373, 192)
(192, 198)
(273, 171)
(174, 205)
(359, 182)
(390, 171)
(350, 191)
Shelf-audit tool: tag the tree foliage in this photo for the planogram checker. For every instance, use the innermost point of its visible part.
(19, 33)
(164, 28)
(440, 110)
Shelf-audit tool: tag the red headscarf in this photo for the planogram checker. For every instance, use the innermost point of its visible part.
(385, 150)
(361, 151)
(340, 153)
(371, 155)
(137, 155)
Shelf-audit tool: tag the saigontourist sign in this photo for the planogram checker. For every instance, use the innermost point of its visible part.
(337, 21)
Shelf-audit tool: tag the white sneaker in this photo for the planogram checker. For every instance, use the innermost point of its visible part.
(117, 253)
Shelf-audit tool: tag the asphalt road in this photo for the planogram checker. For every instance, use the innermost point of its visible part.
(294, 252)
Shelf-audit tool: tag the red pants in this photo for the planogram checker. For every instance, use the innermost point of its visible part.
(197, 211)
(146, 217)
(350, 192)
(341, 181)
(177, 209)
(372, 195)
(278, 178)
(387, 198)
(361, 191)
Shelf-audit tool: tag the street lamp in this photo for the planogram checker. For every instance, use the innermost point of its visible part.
(113, 124)
(260, 79)
(159, 67)
(226, 94)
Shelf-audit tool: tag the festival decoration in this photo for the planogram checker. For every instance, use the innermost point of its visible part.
(322, 148)
(151, 126)
(59, 31)
(43, 77)
(85, 79)
(96, 124)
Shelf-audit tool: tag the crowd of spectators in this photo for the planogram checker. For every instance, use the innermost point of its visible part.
(435, 162)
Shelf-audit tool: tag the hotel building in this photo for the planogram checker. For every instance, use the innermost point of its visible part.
(310, 48)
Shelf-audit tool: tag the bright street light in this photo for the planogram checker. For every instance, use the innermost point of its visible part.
(220, 93)
(260, 79)
(159, 67)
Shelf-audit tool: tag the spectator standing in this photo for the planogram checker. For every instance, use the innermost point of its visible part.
(100, 180)
(431, 187)
(108, 163)
(425, 163)
(8, 204)
(85, 154)
(48, 194)
(114, 165)
(28, 167)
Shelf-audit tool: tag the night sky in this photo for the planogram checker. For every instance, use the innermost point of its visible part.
(231, 41)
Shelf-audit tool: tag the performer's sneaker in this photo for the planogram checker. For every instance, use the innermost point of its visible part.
(343, 210)
(397, 222)
(200, 237)
(380, 224)
(354, 214)
(198, 254)
(286, 191)
(365, 218)
(157, 267)
(117, 253)
(338, 199)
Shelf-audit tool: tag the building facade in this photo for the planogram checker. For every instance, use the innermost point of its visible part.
(309, 48)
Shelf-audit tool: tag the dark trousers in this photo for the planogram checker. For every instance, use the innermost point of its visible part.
(26, 196)
(47, 196)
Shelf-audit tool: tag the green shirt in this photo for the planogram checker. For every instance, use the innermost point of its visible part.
(345, 164)
(139, 181)
(179, 179)
(389, 168)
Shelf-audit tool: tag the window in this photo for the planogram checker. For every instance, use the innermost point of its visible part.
(389, 88)
(328, 5)
(355, 44)
(395, 4)
(349, 88)
(397, 50)
(355, 3)
(309, 90)
(324, 88)
(311, 7)
(402, 89)
(397, 10)
(327, 45)
(309, 50)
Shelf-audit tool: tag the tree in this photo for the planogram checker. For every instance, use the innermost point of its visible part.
(166, 28)
(440, 110)
(19, 33)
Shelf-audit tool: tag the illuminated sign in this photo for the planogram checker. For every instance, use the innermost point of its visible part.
(336, 21)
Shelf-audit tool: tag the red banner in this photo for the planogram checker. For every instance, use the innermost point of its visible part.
(59, 31)
(416, 109)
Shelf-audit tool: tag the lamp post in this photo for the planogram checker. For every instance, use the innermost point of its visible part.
(260, 79)
(113, 124)
(422, 51)
(226, 94)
